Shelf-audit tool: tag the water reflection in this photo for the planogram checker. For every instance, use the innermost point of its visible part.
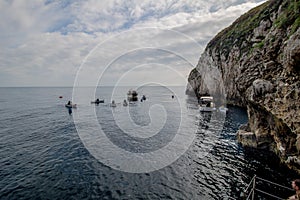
(70, 111)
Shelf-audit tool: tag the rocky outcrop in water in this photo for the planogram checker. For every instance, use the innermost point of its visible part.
(255, 63)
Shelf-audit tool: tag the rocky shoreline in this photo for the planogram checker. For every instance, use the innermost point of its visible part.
(255, 63)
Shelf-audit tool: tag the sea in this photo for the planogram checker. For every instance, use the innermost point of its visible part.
(159, 148)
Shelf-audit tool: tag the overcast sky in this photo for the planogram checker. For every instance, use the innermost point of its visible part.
(108, 42)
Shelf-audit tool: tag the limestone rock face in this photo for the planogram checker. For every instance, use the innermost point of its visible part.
(255, 63)
(247, 139)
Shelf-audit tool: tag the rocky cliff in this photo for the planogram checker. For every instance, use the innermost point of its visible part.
(255, 63)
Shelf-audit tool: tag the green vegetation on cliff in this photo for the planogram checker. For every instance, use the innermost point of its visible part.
(239, 32)
(290, 16)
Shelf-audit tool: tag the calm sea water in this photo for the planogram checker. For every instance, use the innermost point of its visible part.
(42, 156)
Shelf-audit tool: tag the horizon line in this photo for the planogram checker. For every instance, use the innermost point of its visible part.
(89, 86)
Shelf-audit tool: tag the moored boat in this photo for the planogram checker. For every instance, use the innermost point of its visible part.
(71, 105)
(125, 103)
(98, 101)
(132, 95)
(113, 104)
(206, 104)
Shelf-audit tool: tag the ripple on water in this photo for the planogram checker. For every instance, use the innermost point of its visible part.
(42, 156)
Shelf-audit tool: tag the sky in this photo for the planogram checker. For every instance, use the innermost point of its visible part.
(108, 42)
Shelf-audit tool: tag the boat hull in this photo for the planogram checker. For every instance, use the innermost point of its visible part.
(131, 98)
(100, 101)
(207, 109)
(71, 106)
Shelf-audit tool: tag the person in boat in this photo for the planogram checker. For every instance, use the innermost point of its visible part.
(296, 187)
(113, 104)
(97, 101)
(69, 108)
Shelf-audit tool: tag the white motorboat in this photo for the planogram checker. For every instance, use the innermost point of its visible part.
(206, 104)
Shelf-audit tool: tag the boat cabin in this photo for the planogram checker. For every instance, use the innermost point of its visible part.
(206, 103)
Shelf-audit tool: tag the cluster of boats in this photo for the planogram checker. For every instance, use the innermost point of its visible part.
(132, 96)
(206, 104)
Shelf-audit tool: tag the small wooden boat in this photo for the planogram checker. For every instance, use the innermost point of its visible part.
(98, 101)
(113, 104)
(71, 105)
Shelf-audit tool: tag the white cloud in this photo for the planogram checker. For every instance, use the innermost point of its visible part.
(44, 43)
(21, 19)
